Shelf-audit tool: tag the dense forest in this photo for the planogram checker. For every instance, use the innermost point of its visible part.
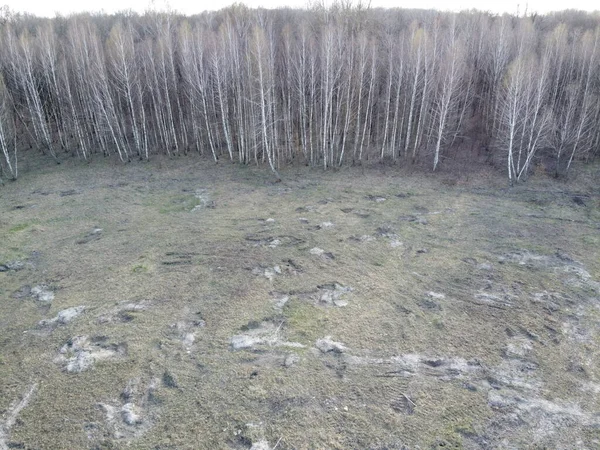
(319, 86)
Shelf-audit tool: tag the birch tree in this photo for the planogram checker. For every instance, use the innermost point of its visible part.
(125, 78)
(7, 134)
(22, 64)
(262, 61)
(589, 69)
(325, 86)
(447, 99)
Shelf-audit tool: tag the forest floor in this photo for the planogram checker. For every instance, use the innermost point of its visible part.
(177, 305)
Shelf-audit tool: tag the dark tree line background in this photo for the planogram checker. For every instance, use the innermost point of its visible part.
(322, 86)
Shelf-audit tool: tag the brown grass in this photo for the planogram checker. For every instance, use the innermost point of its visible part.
(191, 266)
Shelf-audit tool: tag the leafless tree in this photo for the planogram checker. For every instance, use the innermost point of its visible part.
(321, 86)
(7, 133)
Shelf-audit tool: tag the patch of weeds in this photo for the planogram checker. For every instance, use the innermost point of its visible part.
(438, 323)
(54, 220)
(140, 268)
(537, 201)
(126, 316)
(11, 254)
(104, 445)
(180, 203)
(154, 398)
(252, 325)
(533, 247)
(305, 321)
(169, 380)
(591, 239)
(19, 227)
(465, 430)
(445, 443)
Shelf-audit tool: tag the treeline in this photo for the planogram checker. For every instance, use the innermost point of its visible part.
(318, 86)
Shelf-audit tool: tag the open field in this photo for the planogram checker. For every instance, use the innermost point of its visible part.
(176, 305)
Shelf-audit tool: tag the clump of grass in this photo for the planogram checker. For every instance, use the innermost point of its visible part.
(305, 321)
(19, 227)
(180, 204)
(140, 268)
(438, 323)
(590, 239)
(169, 380)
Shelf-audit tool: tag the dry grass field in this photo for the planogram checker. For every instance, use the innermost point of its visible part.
(177, 304)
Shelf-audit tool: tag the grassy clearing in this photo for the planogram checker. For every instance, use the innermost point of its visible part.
(464, 297)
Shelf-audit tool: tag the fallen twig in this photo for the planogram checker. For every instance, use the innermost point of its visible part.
(409, 400)
(13, 413)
